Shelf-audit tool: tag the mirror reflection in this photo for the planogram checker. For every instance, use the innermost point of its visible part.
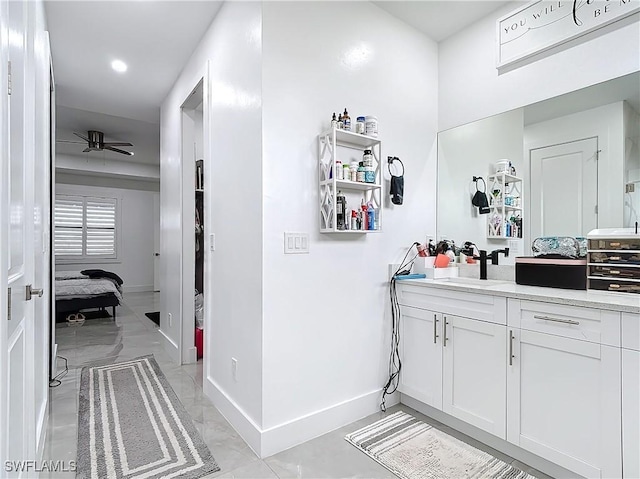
(561, 167)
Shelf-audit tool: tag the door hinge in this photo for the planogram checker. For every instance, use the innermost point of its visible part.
(9, 77)
(596, 209)
(8, 304)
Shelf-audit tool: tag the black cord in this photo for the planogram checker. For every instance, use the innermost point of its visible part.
(395, 362)
(55, 382)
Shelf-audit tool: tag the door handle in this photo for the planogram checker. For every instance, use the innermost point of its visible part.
(157, 254)
(435, 328)
(29, 292)
(511, 356)
(444, 334)
(556, 320)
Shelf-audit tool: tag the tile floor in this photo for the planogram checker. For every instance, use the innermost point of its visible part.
(132, 335)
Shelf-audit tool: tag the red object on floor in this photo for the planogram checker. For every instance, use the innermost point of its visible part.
(199, 341)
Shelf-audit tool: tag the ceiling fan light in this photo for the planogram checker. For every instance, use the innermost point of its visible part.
(119, 66)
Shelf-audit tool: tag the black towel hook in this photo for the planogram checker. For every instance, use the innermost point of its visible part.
(391, 159)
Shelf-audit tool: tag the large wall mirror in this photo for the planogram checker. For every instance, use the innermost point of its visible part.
(576, 167)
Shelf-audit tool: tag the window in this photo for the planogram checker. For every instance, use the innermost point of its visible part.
(85, 228)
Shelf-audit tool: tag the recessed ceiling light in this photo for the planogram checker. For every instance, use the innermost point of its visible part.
(119, 66)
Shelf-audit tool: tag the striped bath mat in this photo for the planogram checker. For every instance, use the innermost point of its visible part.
(412, 449)
(132, 425)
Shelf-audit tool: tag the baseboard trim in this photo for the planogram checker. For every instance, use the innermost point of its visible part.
(170, 347)
(278, 438)
(137, 289)
(490, 440)
(237, 417)
(310, 426)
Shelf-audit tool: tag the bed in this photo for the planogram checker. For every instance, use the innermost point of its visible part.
(88, 289)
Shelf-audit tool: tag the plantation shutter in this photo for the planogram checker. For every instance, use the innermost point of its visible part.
(85, 227)
(69, 224)
(101, 226)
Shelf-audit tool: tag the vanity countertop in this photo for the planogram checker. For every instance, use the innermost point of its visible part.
(629, 303)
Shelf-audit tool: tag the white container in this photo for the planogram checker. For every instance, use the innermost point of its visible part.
(371, 126)
(502, 166)
(442, 273)
(339, 170)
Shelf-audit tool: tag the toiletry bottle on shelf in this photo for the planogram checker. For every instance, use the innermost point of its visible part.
(354, 220)
(339, 170)
(341, 207)
(340, 123)
(360, 173)
(346, 120)
(353, 168)
(334, 121)
(371, 217)
(347, 172)
(365, 216)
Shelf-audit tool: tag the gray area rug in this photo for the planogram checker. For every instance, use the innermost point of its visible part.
(132, 425)
(412, 449)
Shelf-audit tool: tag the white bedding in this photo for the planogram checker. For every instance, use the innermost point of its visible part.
(86, 287)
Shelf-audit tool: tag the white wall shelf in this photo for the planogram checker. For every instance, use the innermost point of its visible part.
(501, 186)
(328, 144)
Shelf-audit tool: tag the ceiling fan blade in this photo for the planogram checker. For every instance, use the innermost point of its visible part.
(86, 150)
(117, 150)
(81, 136)
(71, 141)
(116, 143)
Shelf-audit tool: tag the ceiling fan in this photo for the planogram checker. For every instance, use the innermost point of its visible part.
(95, 142)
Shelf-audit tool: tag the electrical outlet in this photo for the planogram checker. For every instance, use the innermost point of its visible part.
(170, 319)
(515, 247)
(630, 188)
(234, 369)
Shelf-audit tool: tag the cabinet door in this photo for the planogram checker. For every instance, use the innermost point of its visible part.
(564, 402)
(630, 414)
(474, 377)
(421, 353)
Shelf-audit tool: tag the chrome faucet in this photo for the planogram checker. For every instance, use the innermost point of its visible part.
(494, 254)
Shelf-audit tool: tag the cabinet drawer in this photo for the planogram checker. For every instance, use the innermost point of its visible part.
(631, 331)
(608, 257)
(615, 244)
(484, 307)
(585, 324)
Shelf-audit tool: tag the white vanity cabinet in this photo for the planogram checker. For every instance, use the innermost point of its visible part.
(421, 349)
(563, 385)
(474, 375)
(453, 349)
(630, 395)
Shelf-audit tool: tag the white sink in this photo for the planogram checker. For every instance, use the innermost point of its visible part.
(472, 281)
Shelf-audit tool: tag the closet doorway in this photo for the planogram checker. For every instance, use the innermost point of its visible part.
(194, 228)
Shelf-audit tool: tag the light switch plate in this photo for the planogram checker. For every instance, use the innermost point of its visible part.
(296, 243)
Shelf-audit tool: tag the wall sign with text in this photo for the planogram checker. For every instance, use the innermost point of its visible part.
(544, 24)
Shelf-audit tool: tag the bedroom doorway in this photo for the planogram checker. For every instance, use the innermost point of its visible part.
(194, 227)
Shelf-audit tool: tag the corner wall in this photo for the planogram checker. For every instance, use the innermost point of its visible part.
(232, 46)
(471, 89)
(326, 314)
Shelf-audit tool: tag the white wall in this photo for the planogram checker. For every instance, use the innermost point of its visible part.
(470, 87)
(606, 123)
(326, 326)
(135, 249)
(233, 211)
(472, 150)
(632, 165)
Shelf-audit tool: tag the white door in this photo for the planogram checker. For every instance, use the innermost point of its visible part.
(17, 230)
(631, 413)
(421, 353)
(565, 204)
(41, 237)
(474, 374)
(564, 402)
(156, 242)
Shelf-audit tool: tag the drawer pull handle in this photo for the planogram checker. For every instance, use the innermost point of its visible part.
(435, 328)
(556, 320)
(511, 356)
